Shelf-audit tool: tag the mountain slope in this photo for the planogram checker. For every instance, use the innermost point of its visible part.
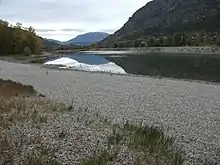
(52, 41)
(88, 38)
(164, 17)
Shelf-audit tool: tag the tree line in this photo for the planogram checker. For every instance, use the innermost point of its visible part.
(176, 39)
(18, 39)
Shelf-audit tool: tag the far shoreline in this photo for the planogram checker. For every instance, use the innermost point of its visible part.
(190, 50)
(210, 50)
(203, 50)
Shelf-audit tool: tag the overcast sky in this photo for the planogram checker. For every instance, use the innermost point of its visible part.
(64, 19)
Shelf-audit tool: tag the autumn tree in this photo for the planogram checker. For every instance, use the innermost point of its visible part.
(161, 41)
(31, 29)
(177, 39)
(14, 40)
(218, 41)
(115, 45)
(137, 43)
(18, 25)
(169, 41)
(151, 42)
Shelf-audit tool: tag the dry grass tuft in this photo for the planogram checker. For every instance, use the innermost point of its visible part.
(21, 109)
(9, 88)
(42, 156)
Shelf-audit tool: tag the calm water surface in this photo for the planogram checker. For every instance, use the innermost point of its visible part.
(192, 66)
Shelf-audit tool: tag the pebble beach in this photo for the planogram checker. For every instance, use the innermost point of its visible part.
(188, 110)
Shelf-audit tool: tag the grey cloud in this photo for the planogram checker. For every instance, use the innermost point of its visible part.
(49, 11)
(110, 31)
(45, 30)
(70, 16)
(57, 34)
(89, 11)
(64, 30)
(71, 30)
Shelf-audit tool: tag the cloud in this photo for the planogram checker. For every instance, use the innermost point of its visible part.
(110, 31)
(70, 30)
(45, 30)
(65, 30)
(72, 16)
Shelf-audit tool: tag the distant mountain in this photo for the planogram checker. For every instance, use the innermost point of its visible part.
(166, 17)
(87, 38)
(54, 42)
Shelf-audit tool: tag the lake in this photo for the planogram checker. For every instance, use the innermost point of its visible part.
(187, 66)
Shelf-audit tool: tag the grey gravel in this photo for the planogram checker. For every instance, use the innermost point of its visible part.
(69, 136)
(185, 50)
(190, 111)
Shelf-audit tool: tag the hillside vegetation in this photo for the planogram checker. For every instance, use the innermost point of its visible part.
(18, 39)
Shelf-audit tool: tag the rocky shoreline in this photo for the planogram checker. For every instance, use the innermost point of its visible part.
(187, 50)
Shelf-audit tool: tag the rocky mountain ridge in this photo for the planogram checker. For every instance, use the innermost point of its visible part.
(165, 17)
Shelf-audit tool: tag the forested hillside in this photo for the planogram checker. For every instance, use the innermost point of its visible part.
(18, 39)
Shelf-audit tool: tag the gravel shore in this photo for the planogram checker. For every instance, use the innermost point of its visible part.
(208, 50)
(189, 110)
